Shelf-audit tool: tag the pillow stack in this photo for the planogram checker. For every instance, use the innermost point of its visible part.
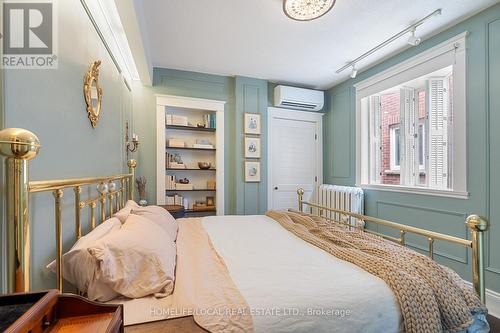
(132, 254)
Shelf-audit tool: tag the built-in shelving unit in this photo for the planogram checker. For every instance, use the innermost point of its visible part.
(192, 112)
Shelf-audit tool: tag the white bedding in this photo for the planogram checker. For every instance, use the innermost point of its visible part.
(293, 286)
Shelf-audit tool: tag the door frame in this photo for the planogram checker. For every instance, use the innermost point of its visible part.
(317, 117)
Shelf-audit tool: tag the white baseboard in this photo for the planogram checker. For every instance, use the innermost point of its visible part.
(492, 302)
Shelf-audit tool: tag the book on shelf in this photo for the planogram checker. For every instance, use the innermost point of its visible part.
(179, 186)
(170, 182)
(172, 164)
(203, 146)
(175, 199)
(172, 119)
(210, 120)
(176, 143)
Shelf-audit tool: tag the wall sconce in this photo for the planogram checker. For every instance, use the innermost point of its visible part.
(131, 146)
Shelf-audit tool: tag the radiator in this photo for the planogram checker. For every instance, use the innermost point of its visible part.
(350, 199)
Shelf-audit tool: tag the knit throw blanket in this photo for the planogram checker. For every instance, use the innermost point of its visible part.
(432, 298)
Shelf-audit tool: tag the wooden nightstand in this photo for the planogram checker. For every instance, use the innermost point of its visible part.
(177, 211)
(53, 312)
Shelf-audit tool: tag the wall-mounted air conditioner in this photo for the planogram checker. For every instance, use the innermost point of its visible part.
(298, 98)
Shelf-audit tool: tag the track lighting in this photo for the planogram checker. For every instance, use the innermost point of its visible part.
(414, 40)
(354, 72)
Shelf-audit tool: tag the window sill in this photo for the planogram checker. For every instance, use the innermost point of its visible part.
(416, 190)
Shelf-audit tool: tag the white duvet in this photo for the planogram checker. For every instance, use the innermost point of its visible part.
(293, 286)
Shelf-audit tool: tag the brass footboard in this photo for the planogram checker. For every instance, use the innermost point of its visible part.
(19, 146)
(476, 224)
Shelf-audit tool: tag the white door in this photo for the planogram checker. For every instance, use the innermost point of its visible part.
(295, 156)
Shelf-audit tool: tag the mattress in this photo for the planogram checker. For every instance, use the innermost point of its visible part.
(288, 284)
(293, 286)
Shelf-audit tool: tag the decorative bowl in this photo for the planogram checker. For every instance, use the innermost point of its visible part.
(204, 165)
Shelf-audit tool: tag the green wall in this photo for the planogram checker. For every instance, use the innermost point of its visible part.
(50, 103)
(241, 95)
(483, 118)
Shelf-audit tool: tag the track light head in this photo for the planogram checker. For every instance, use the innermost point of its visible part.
(354, 72)
(414, 40)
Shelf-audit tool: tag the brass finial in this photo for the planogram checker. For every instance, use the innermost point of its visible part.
(300, 191)
(19, 143)
(132, 163)
(477, 223)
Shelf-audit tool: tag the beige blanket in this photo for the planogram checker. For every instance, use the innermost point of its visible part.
(203, 288)
(432, 298)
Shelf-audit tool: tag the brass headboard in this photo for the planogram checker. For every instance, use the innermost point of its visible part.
(19, 146)
(476, 224)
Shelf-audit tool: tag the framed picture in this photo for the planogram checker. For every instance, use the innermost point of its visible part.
(252, 123)
(252, 147)
(252, 172)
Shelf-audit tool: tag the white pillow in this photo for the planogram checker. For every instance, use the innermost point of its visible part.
(80, 268)
(123, 213)
(137, 260)
(161, 217)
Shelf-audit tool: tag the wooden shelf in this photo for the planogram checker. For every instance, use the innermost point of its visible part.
(190, 148)
(191, 128)
(194, 190)
(208, 210)
(188, 169)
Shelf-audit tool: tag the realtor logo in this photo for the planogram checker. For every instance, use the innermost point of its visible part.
(28, 37)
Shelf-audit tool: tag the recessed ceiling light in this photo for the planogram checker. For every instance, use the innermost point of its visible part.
(306, 10)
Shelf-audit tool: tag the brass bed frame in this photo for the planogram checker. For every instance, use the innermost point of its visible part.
(19, 146)
(476, 224)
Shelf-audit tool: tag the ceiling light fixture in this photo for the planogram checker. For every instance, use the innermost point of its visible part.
(414, 40)
(307, 10)
(411, 29)
(354, 71)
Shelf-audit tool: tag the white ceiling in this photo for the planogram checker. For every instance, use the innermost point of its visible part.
(254, 37)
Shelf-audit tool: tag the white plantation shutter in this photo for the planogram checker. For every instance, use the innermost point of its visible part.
(375, 147)
(437, 108)
(408, 136)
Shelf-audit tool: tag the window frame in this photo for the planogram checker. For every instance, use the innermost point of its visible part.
(392, 145)
(450, 52)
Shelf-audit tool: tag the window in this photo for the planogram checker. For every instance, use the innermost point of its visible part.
(411, 124)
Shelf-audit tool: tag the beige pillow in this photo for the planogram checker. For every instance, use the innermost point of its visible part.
(137, 260)
(80, 268)
(161, 217)
(123, 213)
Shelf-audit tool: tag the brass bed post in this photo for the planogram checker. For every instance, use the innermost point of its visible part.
(300, 193)
(78, 192)
(58, 194)
(18, 146)
(477, 226)
(131, 170)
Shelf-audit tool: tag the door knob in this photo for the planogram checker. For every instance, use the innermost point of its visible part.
(276, 187)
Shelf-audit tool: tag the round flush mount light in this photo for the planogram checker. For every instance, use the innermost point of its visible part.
(306, 10)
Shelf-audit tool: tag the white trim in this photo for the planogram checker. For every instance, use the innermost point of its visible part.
(199, 104)
(492, 301)
(128, 17)
(104, 16)
(316, 117)
(420, 58)
(415, 190)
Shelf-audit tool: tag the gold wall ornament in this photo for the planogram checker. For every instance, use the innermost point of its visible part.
(92, 92)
